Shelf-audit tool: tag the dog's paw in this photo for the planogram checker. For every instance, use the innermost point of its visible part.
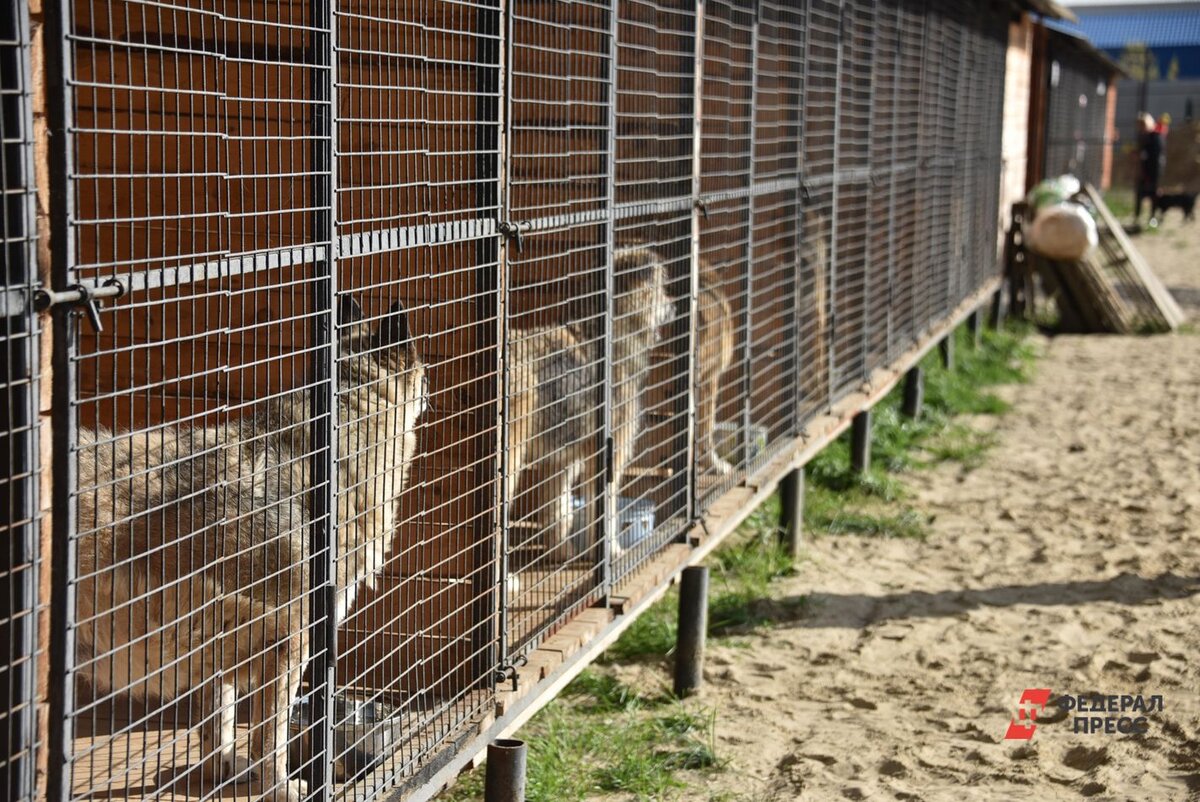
(718, 465)
(290, 791)
(230, 766)
(615, 549)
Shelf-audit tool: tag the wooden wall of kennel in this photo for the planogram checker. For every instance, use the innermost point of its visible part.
(831, 161)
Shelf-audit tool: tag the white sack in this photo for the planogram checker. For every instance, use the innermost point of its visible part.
(1063, 232)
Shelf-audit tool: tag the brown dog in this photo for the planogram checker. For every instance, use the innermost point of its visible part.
(554, 410)
(716, 339)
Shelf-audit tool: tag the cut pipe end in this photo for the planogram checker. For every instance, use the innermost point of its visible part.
(505, 778)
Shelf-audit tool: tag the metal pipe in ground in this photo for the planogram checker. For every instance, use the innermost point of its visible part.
(996, 319)
(914, 392)
(791, 511)
(693, 627)
(946, 349)
(505, 778)
(860, 442)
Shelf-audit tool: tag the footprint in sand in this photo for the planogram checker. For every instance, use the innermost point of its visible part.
(1082, 758)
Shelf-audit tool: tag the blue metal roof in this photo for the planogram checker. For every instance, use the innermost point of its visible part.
(1152, 28)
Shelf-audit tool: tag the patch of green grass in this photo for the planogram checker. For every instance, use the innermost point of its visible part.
(603, 736)
(741, 572)
(658, 747)
(842, 501)
(650, 636)
(960, 443)
(1120, 202)
(840, 513)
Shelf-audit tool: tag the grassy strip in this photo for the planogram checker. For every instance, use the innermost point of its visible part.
(840, 501)
(603, 736)
(1120, 202)
(741, 572)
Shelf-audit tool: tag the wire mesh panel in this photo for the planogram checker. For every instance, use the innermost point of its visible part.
(778, 278)
(909, 214)
(849, 300)
(20, 502)
(961, 122)
(199, 170)
(656, 51)
(823, 47)
(559, 281)
(726, 178)
(1076, 112)
(887, 162)
(940, 70)
(418, 102)
(993, 44)
(981, 165)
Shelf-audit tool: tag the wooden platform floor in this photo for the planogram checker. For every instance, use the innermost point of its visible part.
(121, 753)
(160, 758)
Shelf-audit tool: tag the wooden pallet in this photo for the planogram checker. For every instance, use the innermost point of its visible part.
(1112, 289)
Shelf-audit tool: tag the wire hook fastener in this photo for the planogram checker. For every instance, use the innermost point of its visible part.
(513, 232)
(508, 671)
(80, 295)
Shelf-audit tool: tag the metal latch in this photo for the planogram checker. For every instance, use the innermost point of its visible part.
(80, 295)
(513, 232)
(507, 672)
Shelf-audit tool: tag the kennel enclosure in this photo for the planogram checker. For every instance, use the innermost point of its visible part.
(819, 183)
(1075, 107)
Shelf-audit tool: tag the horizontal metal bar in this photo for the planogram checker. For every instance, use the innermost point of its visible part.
(754, 190)
(349, 245)
(214, 269)
(429, 234)
(625, 211)
(392, 239)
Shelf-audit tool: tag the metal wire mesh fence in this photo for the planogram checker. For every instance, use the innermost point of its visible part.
(421, 335)
(1077, 130)
(20, 448)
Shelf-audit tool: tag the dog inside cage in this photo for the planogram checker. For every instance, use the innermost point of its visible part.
(552, 370)
(193, 547)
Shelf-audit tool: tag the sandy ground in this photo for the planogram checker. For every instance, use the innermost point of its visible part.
(1069, 561)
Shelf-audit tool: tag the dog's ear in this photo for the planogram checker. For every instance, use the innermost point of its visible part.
(351, 323)
(634, 267)
(393, 331)
(349, 312)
